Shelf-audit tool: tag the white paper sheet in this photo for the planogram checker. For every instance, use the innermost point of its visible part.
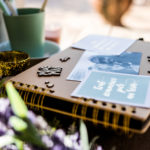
(104, 45)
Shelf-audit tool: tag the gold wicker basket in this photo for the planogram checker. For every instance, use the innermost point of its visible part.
(13, 62)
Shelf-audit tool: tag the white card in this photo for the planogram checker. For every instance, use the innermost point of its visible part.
(105, 45)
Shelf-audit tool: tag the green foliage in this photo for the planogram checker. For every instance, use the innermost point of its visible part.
(6, 140)
(84, 136)
(18, 105)
(19, 144)
(92, 143)
(28, 133)
(20, 122)
(2, 91)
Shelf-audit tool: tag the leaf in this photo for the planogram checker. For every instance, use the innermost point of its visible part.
(18, 105)
(84, 136)
(27, 131)
(18, 124)
(93, 142)
(6, 140)
(2, 91)
(19, 144)
(2, 82)
(31, 135)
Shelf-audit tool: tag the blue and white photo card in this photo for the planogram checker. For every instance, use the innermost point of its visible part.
(118, 88)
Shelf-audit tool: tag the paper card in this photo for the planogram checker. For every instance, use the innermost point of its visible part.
(127, 62)
(105, 45)
(115, 88)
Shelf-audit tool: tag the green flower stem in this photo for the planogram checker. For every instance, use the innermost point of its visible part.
(18, 105)
(84, 136)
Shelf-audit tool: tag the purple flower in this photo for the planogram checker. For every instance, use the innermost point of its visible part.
(4, 103)
(46, 139)
(59, 147)
(59, 134)
(3, 128)
(31, 116)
